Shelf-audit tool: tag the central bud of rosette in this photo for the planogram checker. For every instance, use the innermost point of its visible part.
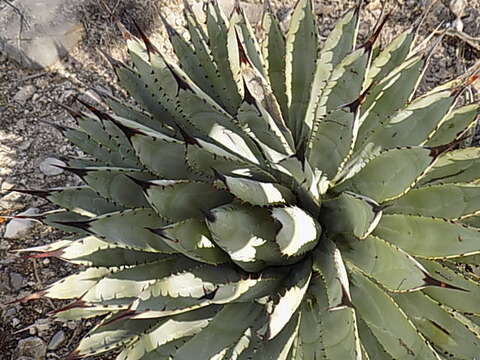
(349, 216)
(257, 237)
(255, 224)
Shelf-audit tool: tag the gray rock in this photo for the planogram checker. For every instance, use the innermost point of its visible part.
(33, 347)
(25, 358)
(19, 227)
(36, 33)
(24, 94)
(56, 341)
(48, 167)
(17, 281)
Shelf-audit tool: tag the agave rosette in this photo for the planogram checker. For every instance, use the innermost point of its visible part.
(273, 200)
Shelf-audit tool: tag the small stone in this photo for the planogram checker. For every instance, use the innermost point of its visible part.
(19, 227)
(24, 145)
(33, 347)
(72, 325)
(457, 7)
(46, 261)
(7, 185)
(24, 94)
(9, 313)
(49, 168)
(5, 245)
(41, 326)
(21, 124)
(458, 24)
(15, 322)
(17, 281)
(476, 270)
(57, 340)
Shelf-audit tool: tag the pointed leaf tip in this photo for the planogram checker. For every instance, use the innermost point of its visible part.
(145, 185)
(74, 305)
(151, 49)
(124, 315)
(189, 140)
(355, 104)
(74, 355)
(59, 127)
(38, 192)
(161, 232)
(55, 253)
(430, 281)
(84, 225)
(168, 27)
(436, 151)
(77, 171)
(25, 299)
(208, 215)
(100, 114)
(123, 30)
(113, 62)
(219, 176)
(368, 45)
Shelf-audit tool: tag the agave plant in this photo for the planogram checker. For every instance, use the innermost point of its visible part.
(273, 200)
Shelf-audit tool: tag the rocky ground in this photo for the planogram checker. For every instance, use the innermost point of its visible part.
(26, 144)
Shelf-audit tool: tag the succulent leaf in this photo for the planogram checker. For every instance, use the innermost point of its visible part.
(128, 228)
(286, 303)
(458, 292)
(258, 193)
(441, 238)
(223, 48)
(225, 328)
(390, 95)
(401, 340)
(273, 51)
(430, 201)
(454, 125)
(390, 174)
(385, 263)
(168, 335)
(181, 200)
(456, 166)
(449, 334)
(192, 239)
(391, 57)
(300, 62)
